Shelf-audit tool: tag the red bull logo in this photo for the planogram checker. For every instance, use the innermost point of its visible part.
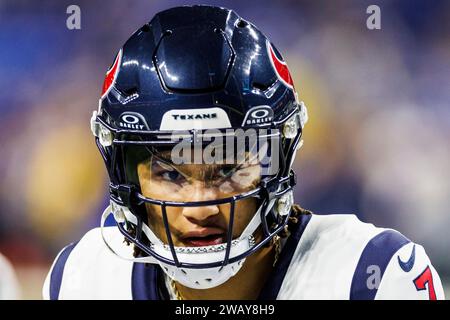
(111, 75)
(280, 67)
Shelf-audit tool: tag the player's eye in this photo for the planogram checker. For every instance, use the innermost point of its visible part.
(166, 172)
(173, 176)
(227, 171)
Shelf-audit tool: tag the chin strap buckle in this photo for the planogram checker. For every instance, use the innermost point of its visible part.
(292, 178)
(126, 193)
(269, 188)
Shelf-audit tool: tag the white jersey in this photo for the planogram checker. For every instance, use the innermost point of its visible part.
(9, 286)
(326, 257)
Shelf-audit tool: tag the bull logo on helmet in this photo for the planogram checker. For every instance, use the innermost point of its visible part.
(111, 75)
(280, 67)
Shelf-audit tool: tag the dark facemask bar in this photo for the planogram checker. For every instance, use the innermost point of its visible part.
(169, 235)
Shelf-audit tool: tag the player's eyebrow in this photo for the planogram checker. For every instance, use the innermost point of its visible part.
(207, 172)
(200, 171)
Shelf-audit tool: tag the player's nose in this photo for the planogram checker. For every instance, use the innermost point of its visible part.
(200, 213)
(203, 212)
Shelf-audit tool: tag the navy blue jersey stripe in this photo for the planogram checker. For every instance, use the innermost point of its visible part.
(144, 281)
(275, 280)
(378, 252)
(58, 271)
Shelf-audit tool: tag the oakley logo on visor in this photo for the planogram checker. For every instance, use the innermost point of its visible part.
(133, 120)
(259, 115)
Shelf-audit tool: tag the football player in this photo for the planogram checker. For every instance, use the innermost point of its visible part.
(198, 125)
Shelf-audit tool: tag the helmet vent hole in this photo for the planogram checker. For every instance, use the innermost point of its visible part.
(242, 23)
(208, 279)
(184, 272)
(130, 91)
(260, 86)
(167, 33)
(165, 268)
(145, 28)
(197, 283)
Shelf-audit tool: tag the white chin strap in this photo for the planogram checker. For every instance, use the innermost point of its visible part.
(203, 278)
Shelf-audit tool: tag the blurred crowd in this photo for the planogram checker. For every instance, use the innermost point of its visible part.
(376, 144)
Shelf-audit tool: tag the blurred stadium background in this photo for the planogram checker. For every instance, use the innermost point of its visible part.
(377, 143)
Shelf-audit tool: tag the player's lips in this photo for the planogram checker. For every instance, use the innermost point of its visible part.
(203, 237)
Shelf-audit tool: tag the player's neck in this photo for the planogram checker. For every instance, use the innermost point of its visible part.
(246, 284)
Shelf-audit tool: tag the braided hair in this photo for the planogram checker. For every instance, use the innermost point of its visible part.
(297, 211)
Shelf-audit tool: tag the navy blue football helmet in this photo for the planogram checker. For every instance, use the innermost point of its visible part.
(189, 70)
